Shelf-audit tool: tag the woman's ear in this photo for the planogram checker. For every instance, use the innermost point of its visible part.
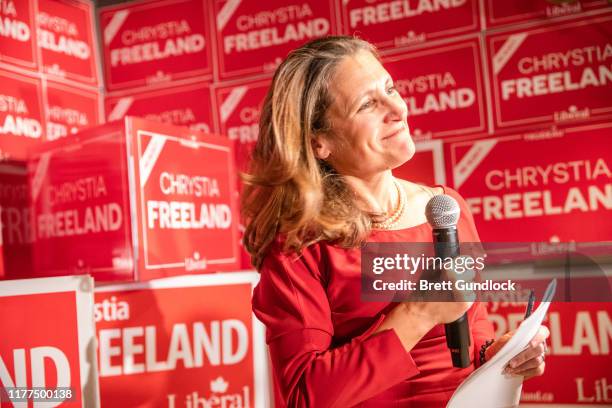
(320, 146)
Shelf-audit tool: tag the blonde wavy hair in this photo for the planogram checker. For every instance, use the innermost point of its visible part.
(287, 190)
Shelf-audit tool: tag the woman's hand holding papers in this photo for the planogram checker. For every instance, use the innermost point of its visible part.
(528, 363)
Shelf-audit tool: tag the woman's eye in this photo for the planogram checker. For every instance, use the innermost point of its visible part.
(391, 90)
(365, 105)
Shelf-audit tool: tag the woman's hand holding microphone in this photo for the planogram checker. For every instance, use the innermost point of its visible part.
(413, 319)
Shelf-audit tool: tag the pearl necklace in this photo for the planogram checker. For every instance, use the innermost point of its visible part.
(392, 220)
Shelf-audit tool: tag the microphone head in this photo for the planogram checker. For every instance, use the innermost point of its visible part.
(442, 211)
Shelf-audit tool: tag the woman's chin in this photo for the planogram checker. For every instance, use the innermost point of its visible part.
(401, 156)
(407, 149)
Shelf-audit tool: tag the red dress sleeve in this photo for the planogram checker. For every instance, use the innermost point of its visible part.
(291, 301)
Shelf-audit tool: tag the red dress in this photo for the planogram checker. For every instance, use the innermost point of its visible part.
(319, 331)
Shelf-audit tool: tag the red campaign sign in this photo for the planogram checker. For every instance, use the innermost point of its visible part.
(392, 24)
(67, 41)
(82, 216)
(16, 229)
(551, 74)
(188, 105)
(180, 342)
(254, 37)
(188, 218)
(541, 186)
(500, 13)
(21, 117)
(578, 361)
(426, 166)
(444, 100)
(238, 115)
(186, 215)
(17, 33)
(48, 339)
(70, 109)
(151, 42)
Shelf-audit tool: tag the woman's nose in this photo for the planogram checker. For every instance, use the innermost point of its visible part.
(396, 107)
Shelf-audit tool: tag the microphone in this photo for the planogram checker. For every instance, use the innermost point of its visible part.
(442, 212)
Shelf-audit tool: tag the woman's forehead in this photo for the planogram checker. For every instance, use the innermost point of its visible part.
(356, 75)
(362, 67)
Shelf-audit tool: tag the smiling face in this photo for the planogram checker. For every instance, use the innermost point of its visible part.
(369, 131)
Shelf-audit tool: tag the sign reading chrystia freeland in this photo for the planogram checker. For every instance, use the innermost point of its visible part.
(188, 212)
(67, 41)
(190, 341)
(81, 218)
(146, 43)
(254, 37)
(548, 184)
(537, 79)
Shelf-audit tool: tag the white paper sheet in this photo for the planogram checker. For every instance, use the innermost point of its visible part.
(487, 386)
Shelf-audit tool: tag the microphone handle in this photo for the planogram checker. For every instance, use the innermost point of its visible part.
(446, 244)
(458, 341)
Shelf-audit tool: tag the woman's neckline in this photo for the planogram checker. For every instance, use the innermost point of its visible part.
(383, 231)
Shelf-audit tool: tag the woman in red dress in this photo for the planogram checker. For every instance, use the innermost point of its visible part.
(320, 184)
